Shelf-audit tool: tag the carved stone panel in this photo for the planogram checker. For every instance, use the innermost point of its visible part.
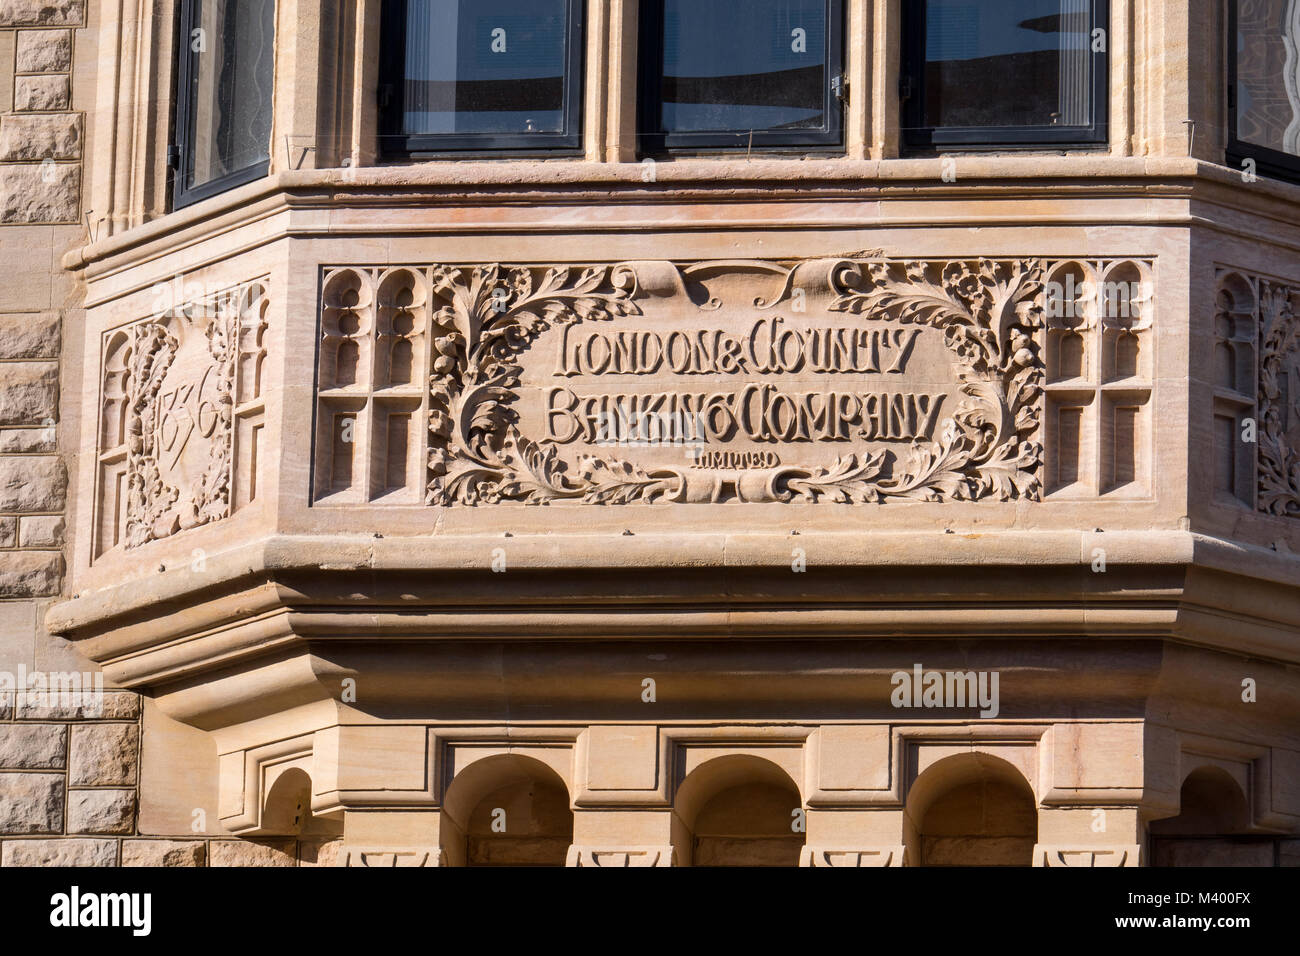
(181, 412)
(1104, 856)
(832, 380)
(388, 857)
(1256, 380)
(883, 856)
(621, 857)
(1279, 400)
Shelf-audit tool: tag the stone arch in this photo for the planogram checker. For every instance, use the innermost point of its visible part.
(506, 810)
(286, 811)
(1214, 825)
(971, 809)
(738, 810)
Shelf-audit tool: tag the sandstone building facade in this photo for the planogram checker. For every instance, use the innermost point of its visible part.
(602, 432)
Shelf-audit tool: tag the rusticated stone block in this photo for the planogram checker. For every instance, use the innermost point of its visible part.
(46, 192)
(27, 441)
(103, 755)
(50, 92)
(101, 811)
(27, 574)
(25, 13)
(320, 854)
(32, 485)
(34, 138)
(31, 802)
(59, 853)
(248, 853)
(44, 51)
(114, 705)
(168, 853)
(30, 335)
(41, 531)
(8, 532)
(33, 747)
(29, 392)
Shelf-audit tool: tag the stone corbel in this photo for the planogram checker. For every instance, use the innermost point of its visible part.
(853, 856)
(1122, 855)
(624, 856)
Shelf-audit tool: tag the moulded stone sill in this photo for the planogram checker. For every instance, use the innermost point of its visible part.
(487, 181)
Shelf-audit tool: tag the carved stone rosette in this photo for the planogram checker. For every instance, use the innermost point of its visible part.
(178, 391)
(929, 371)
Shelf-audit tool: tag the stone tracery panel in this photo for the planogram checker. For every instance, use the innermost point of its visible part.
(834, 380)
(181, 416)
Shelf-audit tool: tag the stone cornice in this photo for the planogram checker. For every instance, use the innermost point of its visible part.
(286, 590)
(710, 181)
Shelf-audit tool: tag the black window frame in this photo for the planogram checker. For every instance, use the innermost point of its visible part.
(917, 137)
(188, 19)
(1271, 162)
(396, 145)
(652, 141)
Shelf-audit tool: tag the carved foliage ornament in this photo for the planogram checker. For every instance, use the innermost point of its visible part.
(486, 318)
(1279, 400)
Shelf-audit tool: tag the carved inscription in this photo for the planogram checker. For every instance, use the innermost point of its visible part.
(175, 390)
(834, 380)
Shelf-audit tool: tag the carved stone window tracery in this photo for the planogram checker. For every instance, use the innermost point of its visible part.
(1099, 378)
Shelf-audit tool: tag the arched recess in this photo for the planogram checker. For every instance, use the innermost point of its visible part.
(287, 810)
(506, 810)
(1213, 825)
(738, 810)
(971, 809)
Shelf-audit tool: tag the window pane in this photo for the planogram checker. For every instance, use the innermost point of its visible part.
(1013, 63)
(231, 70)
(485, 66)
(738, 67)
(1268, 101)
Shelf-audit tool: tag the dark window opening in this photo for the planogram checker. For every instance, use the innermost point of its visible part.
(481, 75)
(718, 75)
(223, 110)
(1017, 73)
